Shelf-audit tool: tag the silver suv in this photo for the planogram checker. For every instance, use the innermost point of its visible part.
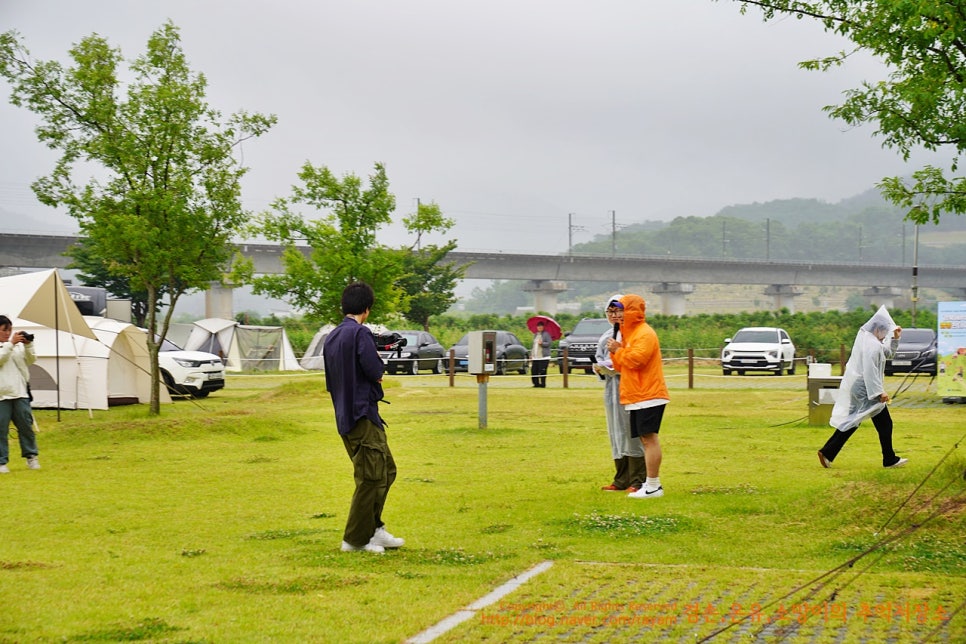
(758, 348)
(190, 373)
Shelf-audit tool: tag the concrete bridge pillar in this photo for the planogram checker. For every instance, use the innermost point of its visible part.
(673, 296)
(219, 302)
(545, 294)
(784, 295)
(882, 295)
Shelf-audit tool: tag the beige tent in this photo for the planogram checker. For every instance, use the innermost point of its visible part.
(43, 299)
(129, 364)
(70, 371)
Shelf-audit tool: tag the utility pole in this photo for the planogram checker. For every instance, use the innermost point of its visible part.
(419, 235)
(915, 275)
(768, 238)
(613, 233)
(570, 233)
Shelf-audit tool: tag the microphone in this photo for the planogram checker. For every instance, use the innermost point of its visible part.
(617, 328)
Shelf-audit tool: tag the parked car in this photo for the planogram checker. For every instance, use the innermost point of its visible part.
(916, 353)
(419, 351)
(581, 343)
(758, 348)
(511, 354)
(190, 373)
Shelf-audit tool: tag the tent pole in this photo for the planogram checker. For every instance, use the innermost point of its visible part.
(57, 340)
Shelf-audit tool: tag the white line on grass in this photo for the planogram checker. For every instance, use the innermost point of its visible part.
(460, 616)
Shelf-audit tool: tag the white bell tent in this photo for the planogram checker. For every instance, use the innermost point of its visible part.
(129, 363)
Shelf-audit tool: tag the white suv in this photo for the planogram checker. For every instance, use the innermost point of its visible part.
(190, 373)
(758, 348)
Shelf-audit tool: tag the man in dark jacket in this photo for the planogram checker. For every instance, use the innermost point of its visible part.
(353, 375)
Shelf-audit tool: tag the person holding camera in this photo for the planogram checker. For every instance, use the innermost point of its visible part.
(16, 356)
(353, 378)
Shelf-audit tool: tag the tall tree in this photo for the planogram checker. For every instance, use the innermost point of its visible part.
(94, 272)
(428, 280)
(340, 247)
(164, 202)
(923, 100)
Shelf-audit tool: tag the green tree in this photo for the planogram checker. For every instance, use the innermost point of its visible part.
(922, 102)
(94, 272)
(339, 248)
(428, 280)
(164, 202)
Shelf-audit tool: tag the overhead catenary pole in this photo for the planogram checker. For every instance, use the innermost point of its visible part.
(915, 275)
(613, 233)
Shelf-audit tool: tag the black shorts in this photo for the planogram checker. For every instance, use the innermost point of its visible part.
(646, 421)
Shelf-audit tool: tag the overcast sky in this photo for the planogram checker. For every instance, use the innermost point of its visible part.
(510, 114)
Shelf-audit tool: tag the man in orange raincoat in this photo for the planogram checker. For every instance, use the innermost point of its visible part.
(643, 391)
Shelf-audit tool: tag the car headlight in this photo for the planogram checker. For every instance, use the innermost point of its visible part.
(725, 355)
(191, 364)
(773, 355)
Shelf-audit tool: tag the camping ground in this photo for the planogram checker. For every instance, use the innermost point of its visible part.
(221, 519)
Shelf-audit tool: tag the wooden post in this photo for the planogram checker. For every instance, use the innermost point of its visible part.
(452, 368)
(565, 365)
(690, 368)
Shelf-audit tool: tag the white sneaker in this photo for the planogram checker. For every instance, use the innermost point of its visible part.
(369, 547)
(900, 463)
(33, 463)
(4, 469)
(386, 540)
(645, 493)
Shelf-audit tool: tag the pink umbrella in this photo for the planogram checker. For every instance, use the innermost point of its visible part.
(549, 325)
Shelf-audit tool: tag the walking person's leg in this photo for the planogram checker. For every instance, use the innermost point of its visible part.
(367, 449)
(883, 427)
(834, 445)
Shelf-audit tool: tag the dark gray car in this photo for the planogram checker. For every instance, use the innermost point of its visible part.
(916, 353)
(511, 354)
(420, 351)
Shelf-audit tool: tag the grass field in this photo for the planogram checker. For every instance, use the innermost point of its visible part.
(221, 520)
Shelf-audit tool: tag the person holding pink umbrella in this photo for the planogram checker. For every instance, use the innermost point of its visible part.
(540, 355)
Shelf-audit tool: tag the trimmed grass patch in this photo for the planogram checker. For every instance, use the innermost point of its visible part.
(221, 520)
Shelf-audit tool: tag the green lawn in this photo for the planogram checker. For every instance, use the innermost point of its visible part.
(221, 520)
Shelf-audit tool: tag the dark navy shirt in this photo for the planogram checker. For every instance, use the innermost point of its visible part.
(353, 370)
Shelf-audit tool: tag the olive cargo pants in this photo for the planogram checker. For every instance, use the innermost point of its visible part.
(374, 471)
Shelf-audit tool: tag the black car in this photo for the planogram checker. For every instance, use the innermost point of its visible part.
(916, 353)
(511, 354)
(410, 351)
(581, 343)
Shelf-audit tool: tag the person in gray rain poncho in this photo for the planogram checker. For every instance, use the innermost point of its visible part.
(862, 393)
(627, 451)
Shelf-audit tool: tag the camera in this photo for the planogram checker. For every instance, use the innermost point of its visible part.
(29, 337)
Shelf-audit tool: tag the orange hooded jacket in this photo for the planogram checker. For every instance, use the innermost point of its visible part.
(639, 359)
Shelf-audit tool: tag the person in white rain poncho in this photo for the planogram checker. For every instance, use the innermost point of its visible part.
(862, 393)
(627, 452)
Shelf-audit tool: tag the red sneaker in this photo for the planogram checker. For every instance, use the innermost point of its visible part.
(612, 488)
